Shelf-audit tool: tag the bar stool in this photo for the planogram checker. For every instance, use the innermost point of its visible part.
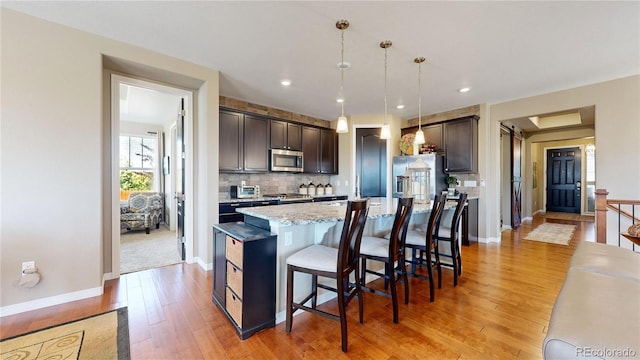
(325, 261)
(450, 234)
(423, 244)
(389, 252)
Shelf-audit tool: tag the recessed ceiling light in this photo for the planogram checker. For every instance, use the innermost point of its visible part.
(400, 107)
(464, 90)
(285, 82)
(340, 100)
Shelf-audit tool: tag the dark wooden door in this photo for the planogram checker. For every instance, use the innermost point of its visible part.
(371, 162)
(231, 141)
(256, 143)
(516, 179)
(278, 134)
(563, 180)
(180, 180)
(294, 137)
(311, 149)
(459, 145)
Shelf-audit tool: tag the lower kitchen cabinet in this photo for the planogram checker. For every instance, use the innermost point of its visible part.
(244, 276)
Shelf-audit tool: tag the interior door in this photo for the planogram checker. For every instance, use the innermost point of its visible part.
(371, 162)
(516, 178)
(563, 180)
(180, 180)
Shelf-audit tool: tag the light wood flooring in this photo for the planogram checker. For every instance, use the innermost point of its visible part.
(500, 309)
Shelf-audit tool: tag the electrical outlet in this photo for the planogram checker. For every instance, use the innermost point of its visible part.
(288, 238)
(28, 265)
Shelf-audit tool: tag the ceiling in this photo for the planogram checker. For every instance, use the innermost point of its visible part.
(501, 50)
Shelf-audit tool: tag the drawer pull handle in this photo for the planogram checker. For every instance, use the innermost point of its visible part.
(234, 269)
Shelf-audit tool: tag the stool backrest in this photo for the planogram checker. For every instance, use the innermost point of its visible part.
(351, 237)
(455, 221)
(399, 229)
(434, 219)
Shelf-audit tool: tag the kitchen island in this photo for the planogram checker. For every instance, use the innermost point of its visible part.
(297, 226)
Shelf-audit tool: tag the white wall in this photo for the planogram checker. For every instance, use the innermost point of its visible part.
(52, 141)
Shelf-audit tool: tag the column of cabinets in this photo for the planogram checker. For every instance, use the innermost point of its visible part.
(244, 144)
(320, 148)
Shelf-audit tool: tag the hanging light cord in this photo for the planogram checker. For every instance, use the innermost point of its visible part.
(342, 71)
(385, 85)
(419, 96)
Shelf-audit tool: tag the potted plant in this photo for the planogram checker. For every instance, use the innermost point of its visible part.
(451, 181)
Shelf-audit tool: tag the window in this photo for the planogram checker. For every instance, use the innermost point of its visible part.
(138, 164)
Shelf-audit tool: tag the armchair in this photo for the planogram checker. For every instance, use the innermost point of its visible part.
(143, 210)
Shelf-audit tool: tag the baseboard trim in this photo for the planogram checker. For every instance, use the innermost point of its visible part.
(50, 301)
(489, 240)
(205, 266)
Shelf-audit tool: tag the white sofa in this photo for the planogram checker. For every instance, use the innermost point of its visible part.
(597, 312)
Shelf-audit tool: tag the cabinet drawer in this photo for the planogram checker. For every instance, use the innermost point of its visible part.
(234, 251)
(234, 307)
(234, 278)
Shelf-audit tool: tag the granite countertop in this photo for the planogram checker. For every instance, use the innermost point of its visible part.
(309, 213)
(228, 200)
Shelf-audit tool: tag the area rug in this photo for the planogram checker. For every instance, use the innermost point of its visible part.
(102, 336)
(568, 216)
(140, 251)
(552, 233)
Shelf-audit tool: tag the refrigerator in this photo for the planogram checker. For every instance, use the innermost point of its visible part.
(402, 166)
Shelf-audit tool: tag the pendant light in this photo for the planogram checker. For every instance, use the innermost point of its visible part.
(419, 139)
(342, 126)
(385, 131)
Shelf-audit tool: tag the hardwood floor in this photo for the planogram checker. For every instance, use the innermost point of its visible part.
(500, 309)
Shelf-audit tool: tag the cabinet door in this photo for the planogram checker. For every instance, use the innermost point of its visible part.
(328, 152)
(278, 134)
(294, 137)
(311, 149)
(219, 267)
(231, 141)
(460, 145)
(256, 145)
(433, 135)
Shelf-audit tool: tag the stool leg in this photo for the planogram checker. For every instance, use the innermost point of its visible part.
(289, 318)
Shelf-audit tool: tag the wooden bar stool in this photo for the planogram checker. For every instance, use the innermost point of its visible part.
(389, 252)
(325, 261)
(423, 244)
(450, 234)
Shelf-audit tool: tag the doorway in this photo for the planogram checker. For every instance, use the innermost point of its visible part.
(371, 163)
(143, 109)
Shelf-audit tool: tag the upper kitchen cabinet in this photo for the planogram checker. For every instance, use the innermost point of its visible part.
(433, 135)
(286, 135)
(461, 142)
(320, 150)
(244, 143)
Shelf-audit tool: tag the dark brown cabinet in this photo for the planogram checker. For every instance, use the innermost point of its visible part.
(320, 148)
(286, 135)
(243, 142)
(244, 276)
(433, 135)
(460, 138)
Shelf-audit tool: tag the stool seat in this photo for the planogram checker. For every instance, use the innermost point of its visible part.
(374, 246)
(315, 257)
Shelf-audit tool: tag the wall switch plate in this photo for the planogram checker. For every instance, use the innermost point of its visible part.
(470, 183)
(27, 265)
(288, 238)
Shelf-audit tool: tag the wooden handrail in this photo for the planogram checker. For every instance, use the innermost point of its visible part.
(602, 205)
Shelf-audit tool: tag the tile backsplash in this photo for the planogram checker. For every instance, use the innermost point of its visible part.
(270, 183)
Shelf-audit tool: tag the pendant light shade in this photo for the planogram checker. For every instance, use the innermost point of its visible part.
(385, 131)
(419, 139)
(342, 126)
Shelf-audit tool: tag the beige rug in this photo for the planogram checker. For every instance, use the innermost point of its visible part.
(567, 216)
(140, 251)
(552, 233)
(104, 336)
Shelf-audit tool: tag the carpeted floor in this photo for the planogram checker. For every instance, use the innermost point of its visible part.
(568, 216)
(552, 233)
(140, 251)
(103, 336)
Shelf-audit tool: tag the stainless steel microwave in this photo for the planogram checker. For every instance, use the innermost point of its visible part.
(286, 160)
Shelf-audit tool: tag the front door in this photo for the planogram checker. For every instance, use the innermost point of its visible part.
(563, 180)
(180, 180)
(371, 162)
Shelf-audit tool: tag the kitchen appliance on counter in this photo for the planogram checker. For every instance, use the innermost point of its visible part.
(402, 174)
(243, 191)
(290, 197)
(286, 160)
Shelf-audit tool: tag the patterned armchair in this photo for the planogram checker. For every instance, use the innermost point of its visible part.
(143, 210)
